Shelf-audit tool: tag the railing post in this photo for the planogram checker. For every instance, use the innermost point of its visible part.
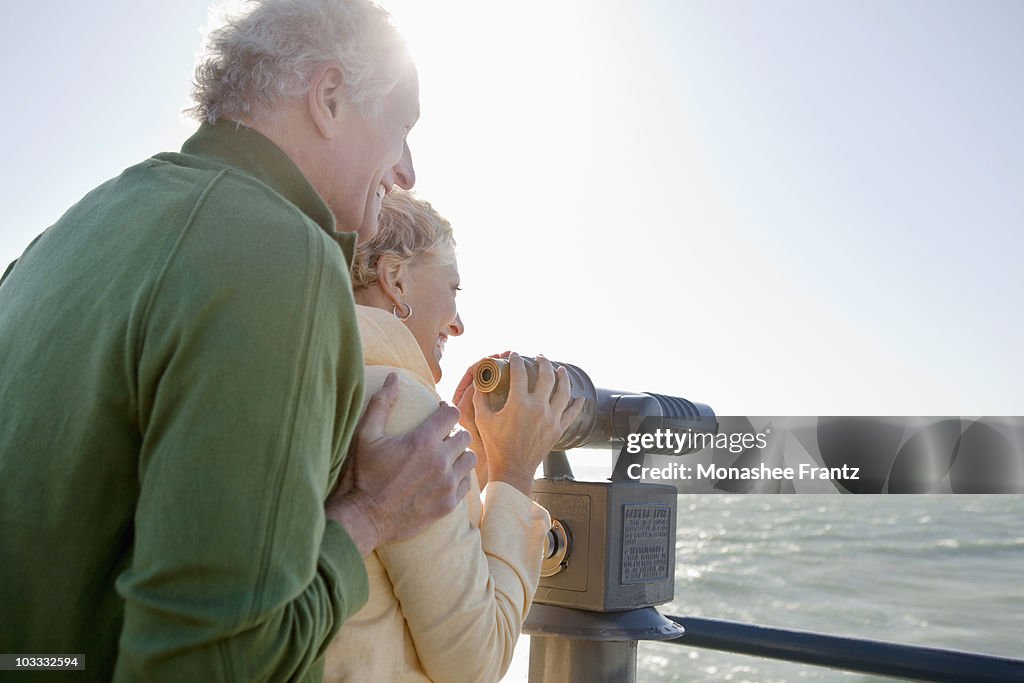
(582, 646)
(560, 660)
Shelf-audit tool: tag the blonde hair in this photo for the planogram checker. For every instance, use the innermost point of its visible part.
(408, 228)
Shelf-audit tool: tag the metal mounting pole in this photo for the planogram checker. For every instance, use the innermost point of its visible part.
(580, 646)
(560, 660)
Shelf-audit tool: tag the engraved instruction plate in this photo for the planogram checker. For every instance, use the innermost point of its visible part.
(645, 542)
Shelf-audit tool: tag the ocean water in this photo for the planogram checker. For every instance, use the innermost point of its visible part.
(940, 571)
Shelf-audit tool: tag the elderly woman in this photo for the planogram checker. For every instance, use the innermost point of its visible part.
(448, 604)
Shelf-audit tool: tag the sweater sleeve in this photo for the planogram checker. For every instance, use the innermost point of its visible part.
(248, 375)
(464, 591)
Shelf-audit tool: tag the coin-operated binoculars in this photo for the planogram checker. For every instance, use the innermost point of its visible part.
(610, 554)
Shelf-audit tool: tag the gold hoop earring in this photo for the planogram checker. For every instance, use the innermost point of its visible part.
(394, 312)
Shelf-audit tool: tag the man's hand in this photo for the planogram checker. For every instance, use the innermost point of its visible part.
(393, 487)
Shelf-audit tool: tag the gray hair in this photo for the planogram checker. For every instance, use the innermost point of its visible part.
(270, 50)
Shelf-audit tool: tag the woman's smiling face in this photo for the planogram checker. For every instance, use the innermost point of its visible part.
(431, 282)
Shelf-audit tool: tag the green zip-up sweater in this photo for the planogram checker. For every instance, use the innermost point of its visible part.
(180, 376)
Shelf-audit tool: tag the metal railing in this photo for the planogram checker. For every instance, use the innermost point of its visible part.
(851, 654)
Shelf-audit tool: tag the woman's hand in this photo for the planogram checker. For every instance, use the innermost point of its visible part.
(517, 437)
(463, 400)
(467, 419)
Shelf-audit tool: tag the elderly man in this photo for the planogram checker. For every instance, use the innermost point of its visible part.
(181, 375)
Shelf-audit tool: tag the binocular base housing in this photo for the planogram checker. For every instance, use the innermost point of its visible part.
(621, 544)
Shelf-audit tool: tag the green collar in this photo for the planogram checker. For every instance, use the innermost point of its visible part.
(232, 144)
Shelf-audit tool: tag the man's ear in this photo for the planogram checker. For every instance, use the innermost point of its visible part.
(392, 276)
(325, 98)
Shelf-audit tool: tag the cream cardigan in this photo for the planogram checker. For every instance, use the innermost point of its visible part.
(448, 604)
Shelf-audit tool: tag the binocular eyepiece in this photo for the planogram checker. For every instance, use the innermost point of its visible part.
(609, 416)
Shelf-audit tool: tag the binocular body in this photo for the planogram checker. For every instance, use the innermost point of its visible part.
(611, 547)
(609, 416)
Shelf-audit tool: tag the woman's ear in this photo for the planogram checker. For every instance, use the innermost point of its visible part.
(392, 275)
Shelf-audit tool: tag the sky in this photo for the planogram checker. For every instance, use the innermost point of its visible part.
(786, 208)
(774, 208)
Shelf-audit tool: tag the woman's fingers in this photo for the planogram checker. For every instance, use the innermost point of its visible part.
(466, 401)
(481, 406)
(563, 391)
(517, 375)
(572, 412)
(465, 383)
(545, 378)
